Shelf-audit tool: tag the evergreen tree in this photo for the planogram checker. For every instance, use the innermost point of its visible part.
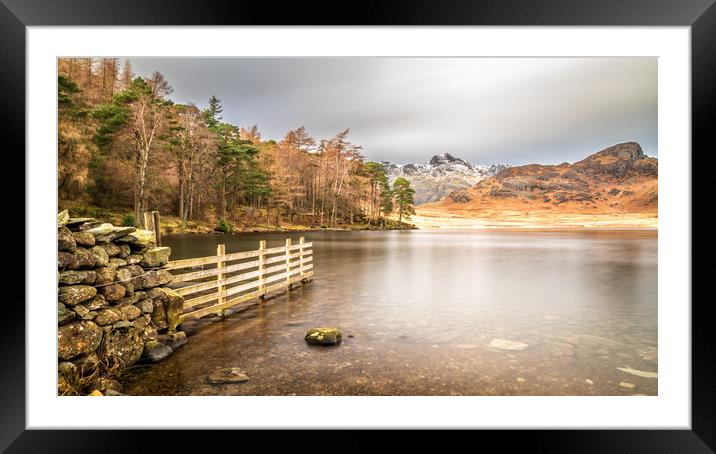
(403, 194)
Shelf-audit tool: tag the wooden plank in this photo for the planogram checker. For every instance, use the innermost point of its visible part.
(241, 255)
(232, 302)
(186, 263)
(214, 271)
(202, 299)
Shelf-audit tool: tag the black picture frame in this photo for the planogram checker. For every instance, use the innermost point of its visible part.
(700, 15)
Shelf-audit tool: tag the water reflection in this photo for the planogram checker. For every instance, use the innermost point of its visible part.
(422, 308)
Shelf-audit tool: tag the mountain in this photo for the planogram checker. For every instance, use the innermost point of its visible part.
(617, 179)
(440, 176)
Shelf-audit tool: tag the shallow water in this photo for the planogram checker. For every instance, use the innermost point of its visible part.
(418, 310)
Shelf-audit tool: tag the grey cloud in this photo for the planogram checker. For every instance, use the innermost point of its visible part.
(407, 109)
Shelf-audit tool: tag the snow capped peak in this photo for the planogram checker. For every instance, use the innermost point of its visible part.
(443, 165)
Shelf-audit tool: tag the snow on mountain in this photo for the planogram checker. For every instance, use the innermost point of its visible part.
(441, 175)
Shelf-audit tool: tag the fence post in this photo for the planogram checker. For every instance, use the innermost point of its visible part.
(220, 253)
(157, 230)
(300, 257)
(148, 223)
(262, 268)
(288, 262)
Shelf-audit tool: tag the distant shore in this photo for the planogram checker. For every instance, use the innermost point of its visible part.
(428, 219)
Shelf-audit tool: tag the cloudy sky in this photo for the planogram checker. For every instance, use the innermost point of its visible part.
(485, 110)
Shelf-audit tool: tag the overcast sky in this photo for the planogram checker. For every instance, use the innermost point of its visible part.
(485, 110)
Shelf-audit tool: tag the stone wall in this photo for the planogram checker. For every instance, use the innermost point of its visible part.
(114, 308)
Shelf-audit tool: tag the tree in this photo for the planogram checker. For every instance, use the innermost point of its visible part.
(403, 194)
(136, 115)
(378, 181)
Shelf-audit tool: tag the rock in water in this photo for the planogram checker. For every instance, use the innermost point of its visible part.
(323, 336)
(155, 351)
(77, 338)
(502, 344)
(638, 373)
(156, 257)
(227, 375)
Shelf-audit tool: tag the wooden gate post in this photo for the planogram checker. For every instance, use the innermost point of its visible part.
(262, 269)
(288, 262)
(220, 253)
(157, 230)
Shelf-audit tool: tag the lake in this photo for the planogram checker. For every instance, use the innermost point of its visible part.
(419, 311)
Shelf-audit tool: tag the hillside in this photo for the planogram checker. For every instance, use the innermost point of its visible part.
(440, 176)
(615, 186)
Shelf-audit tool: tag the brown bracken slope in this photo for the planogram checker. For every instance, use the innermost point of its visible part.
(619, 180)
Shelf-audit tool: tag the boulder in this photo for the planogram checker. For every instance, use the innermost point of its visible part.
(67, 370)
(130, 312)
(133, 259)
(75, 294)
(96, 303)
(116, 232)
(125, 345)
(113, 292)
(75, 224)
(108, 316)
(146, 305)
(172, 304)
(227, 375)
(106, 384)
(64, 315)
(86, 363)
(62, 217)
(142, 322)
(127, 300)
(84, 239)
(64, 260)
(159, 316)
(72, 277)
(323, 336)
(100, 256)
(114, 262)
(102, 229)
(65, 240)
(80, 310)
(76, 277)
(111, 249)
(152, 279)
(134, 270)
(155, 351)
(124, 251)
(105, 275)
(82, 258)
(139, 236)
(149, 333)
(156, 257)
(128, 288)
(77, 338)
(173, 340)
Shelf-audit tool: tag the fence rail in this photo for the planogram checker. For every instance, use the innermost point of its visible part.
(226, 280)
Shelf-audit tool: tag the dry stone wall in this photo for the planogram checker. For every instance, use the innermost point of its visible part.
(114, 308)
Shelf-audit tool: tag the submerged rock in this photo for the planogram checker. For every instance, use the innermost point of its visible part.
(503, 344)
(323, 336)
(227, 375)
(155, 351)
(638, 373)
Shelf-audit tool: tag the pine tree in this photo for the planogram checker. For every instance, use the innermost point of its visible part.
(403, 194)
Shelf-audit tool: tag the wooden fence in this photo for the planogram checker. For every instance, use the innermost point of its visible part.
(223, 280)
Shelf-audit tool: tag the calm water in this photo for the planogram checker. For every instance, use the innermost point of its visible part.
(423, 307)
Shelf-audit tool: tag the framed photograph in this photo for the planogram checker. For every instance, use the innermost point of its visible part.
(408, 217)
